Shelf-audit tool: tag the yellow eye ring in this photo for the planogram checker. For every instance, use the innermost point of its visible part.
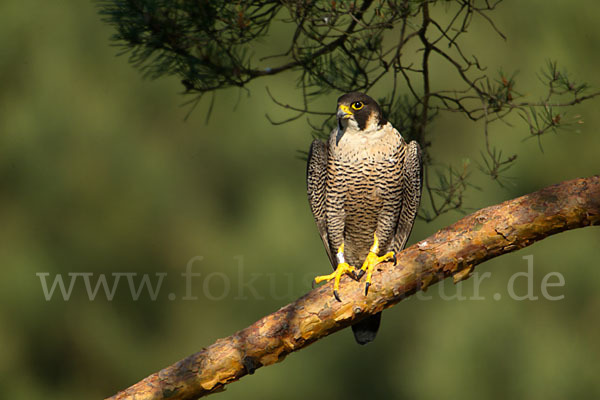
(357, 105)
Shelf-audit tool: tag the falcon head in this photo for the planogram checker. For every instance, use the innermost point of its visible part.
(359, 112)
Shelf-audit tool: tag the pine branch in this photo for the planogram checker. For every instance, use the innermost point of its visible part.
(451, 252)
(343, 46)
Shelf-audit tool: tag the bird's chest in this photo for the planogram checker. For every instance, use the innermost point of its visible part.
(363, 168)
(364, 176)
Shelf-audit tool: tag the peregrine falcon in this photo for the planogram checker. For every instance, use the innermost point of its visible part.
(364, 188)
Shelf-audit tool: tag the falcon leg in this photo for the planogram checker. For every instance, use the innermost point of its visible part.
(371, 261)
(342, 268)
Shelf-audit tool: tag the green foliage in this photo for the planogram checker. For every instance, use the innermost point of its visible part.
(203, 42)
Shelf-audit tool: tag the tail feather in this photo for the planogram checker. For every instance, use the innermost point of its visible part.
(366, 330)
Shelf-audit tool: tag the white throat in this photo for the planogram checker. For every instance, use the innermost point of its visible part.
(348, 131)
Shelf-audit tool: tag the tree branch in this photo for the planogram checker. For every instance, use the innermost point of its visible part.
(453, 251)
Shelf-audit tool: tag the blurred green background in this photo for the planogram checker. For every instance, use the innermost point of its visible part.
(99, 173)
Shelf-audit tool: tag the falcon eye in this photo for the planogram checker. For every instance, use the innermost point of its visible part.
(357, 105)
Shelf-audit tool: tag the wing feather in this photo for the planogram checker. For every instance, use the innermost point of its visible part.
(412, 183)
(316, 175)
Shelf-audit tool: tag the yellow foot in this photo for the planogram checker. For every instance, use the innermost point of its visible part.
(371, 261)
(342, 268)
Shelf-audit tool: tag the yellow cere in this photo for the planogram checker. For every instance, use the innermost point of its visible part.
(345, 109)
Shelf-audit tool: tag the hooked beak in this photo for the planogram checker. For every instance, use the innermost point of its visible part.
(343, 112)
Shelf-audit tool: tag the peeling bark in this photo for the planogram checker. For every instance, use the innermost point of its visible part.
(452, 251)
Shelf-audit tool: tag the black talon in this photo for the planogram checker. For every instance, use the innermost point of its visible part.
(337, 297)
(395, 259)
(367, 288)
(313, 283)
(360, 274)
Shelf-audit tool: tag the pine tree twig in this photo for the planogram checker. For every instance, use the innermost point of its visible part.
(341, 46)
(451, 252)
